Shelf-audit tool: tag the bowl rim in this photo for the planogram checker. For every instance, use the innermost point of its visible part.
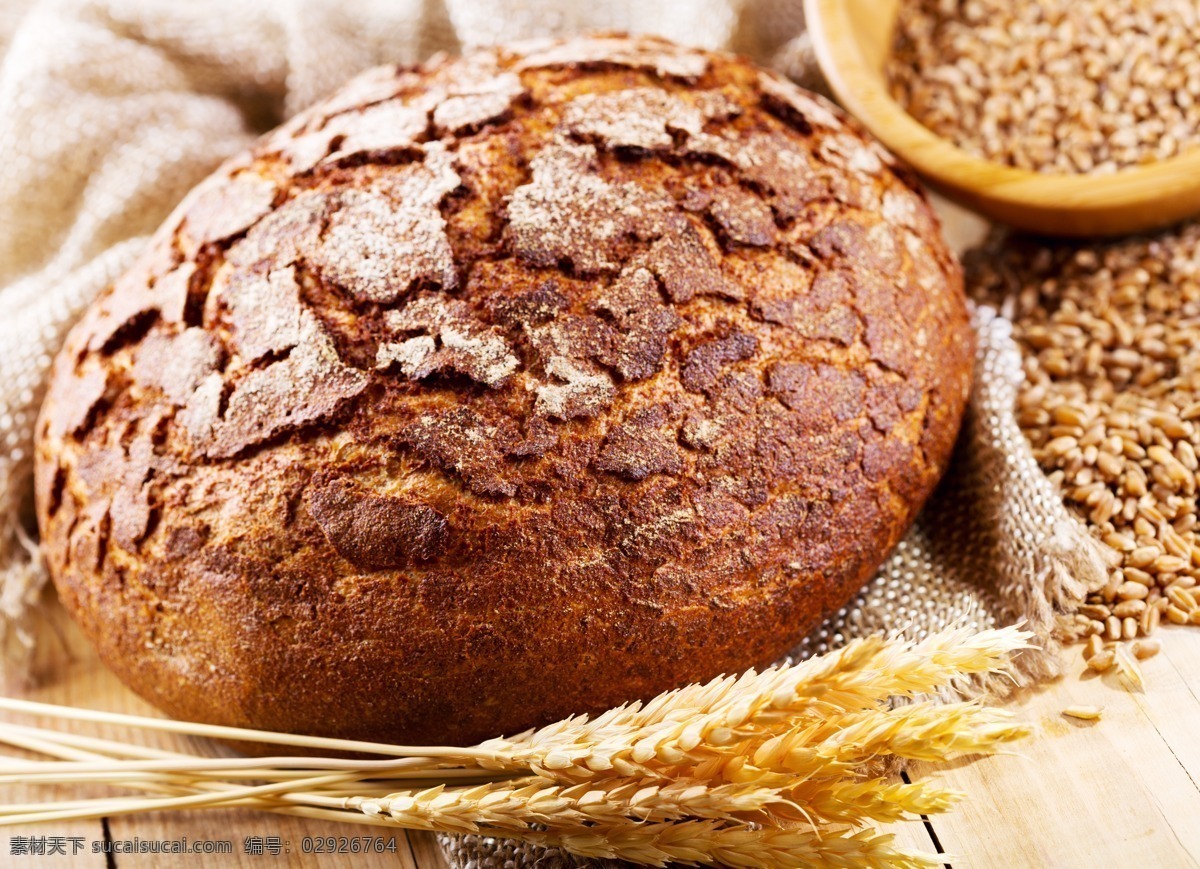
(862, 92)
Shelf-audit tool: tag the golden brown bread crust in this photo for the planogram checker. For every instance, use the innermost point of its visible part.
(514, 386)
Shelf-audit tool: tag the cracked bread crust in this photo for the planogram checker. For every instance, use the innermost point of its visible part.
(500, 389)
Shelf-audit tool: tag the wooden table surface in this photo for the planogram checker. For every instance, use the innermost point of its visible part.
(1121, 791)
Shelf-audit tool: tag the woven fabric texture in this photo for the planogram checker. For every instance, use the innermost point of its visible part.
(110, 110)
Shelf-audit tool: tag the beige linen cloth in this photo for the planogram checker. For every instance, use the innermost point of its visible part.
(110, 110)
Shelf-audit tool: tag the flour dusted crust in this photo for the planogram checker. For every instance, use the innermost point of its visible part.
(504, 388)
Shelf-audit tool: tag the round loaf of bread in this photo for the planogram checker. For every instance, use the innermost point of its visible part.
(503, 388)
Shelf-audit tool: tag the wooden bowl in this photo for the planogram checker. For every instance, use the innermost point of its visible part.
(853, 38)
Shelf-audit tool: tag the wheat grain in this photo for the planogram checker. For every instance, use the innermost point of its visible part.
(1144, 649)
(1084, 713)
(1102, 661)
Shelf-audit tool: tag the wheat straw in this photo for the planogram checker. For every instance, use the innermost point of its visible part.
(237, 734)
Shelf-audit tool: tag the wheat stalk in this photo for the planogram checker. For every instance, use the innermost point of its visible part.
(519, 804)
(772, 768)
(431, 754)
(828, 799)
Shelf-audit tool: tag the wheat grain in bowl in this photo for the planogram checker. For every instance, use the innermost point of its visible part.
(1063, 86)
(1110, 336)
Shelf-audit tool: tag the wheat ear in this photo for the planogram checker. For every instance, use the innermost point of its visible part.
(709, 843)
(698, 725)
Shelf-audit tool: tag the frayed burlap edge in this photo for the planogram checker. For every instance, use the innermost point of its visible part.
(1006, 520)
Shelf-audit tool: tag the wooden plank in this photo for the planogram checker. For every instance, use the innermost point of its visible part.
(427, 854)
(1122, 790)
(65, 671)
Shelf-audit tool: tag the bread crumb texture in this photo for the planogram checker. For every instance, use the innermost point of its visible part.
(502, 388)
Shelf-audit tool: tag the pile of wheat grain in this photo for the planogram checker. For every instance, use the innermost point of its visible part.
(1110, 335)
(1075, 86)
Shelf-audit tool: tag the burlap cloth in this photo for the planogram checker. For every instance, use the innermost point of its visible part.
(111, 109)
